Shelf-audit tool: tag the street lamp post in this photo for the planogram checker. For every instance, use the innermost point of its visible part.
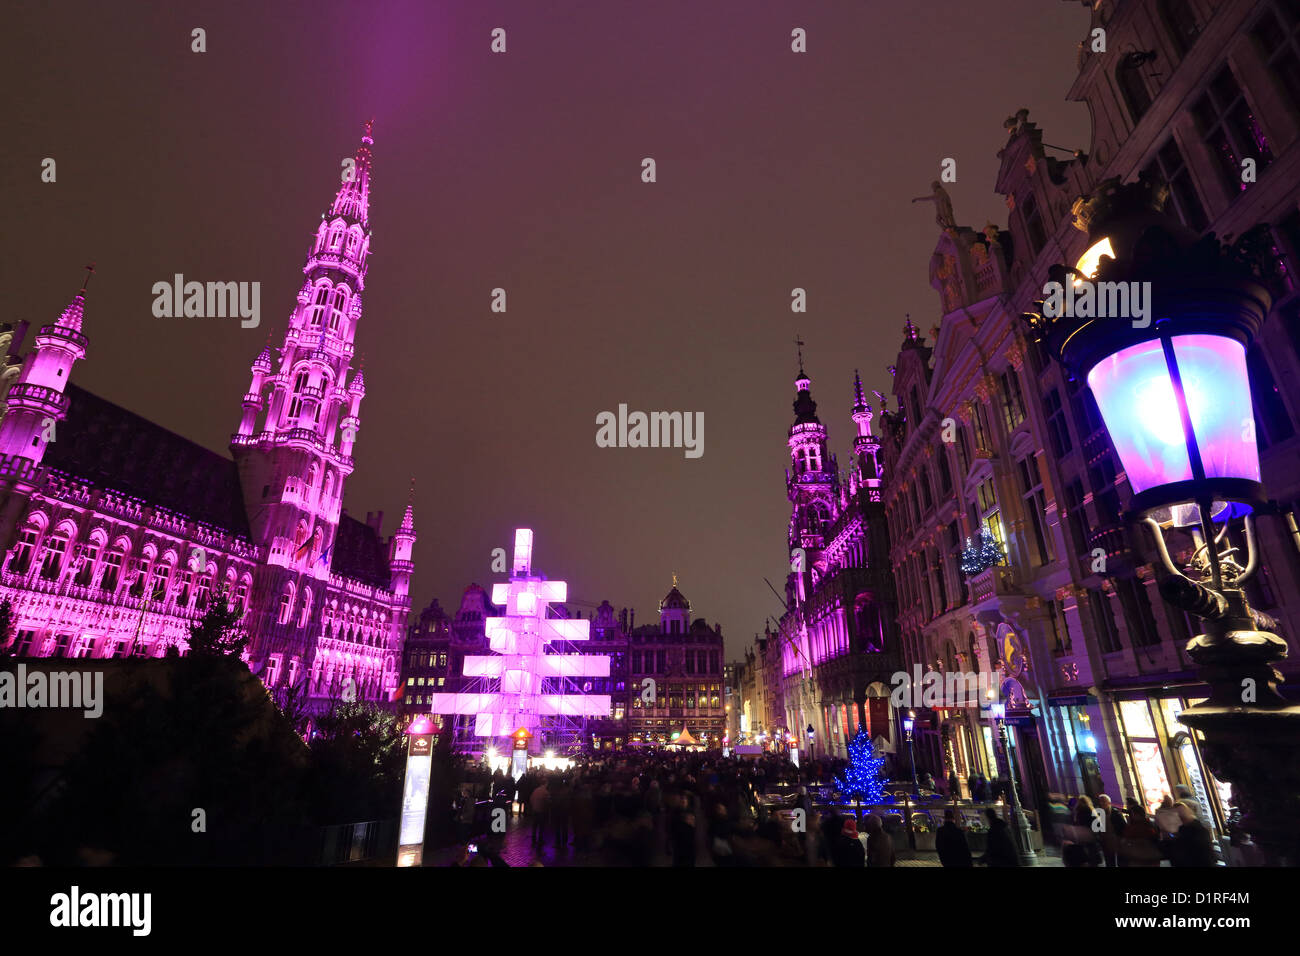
(1024, 839)
(908, 723)
(1173, 391)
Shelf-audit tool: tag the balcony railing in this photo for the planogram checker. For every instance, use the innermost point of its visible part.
(996, 581)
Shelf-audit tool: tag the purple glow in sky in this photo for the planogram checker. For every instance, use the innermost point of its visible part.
(521, 170)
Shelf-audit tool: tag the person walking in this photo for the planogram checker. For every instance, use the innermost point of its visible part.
(951, 842)
(1001, 849)
(1139, 843)
(1191, 844)
(681, 834)
(1082, 847)
(849, 849)
(1112, 829)
(539, 802)
(880, 845)
(1183, 794)
(831, 826)
(561, 807)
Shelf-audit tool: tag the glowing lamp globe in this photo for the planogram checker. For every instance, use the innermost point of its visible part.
(1178, 411)
(1170, 375)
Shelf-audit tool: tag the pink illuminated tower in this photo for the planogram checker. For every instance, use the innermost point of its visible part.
(524, 686)
(294, 452)
(34, 405)
(311, 417)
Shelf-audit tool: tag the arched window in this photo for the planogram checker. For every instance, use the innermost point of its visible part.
(241, 593)
(318, 305)
(56, 546)
(295, 404)
(203, 590)
(336, 238)
(339, 308)
(111, 574)
(354, 242)
(286, 605)
(160, 580)
(306, 607)
(1133, 86)
(26, 547)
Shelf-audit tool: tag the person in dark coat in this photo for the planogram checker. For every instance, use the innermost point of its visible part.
(1139, 843)
(1112, 830)
(1082, 848)
(561, 812)
(1001, 848)
(951, 843)
(848, 849)
(880, 845)
(832, 826)
(1192, 844)
(681, 835)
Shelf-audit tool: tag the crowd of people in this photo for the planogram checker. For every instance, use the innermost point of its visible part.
(1100, 833)
(651, 809)
(666, 808)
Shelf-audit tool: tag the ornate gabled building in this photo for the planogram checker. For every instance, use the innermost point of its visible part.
(674, 677)
(837, 640)
(118, 531)
(1197, 95)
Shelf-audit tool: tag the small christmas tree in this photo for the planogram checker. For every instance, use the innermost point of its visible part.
(861, 779)
(982, 556)
(215, 634)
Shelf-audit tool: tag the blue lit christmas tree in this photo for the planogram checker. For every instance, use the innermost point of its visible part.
(862, 777)
(983, 555)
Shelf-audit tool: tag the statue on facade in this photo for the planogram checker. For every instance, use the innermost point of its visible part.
(943, 214)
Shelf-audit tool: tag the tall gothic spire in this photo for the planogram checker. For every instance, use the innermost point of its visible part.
(302, 409)
(353, 198)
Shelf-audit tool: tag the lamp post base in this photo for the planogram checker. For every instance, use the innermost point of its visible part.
(1251, 736)
(1024, 839)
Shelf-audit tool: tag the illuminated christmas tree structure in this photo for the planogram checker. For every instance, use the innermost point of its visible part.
(861, 779)
(522, 684)
(983, 555)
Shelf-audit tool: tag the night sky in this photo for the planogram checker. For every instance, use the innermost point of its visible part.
(522, 170)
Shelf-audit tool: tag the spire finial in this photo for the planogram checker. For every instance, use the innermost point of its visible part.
(90, 270)
(909, 328)
(799, 344)
(370, 129)
(674, 579)
(410, 495)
